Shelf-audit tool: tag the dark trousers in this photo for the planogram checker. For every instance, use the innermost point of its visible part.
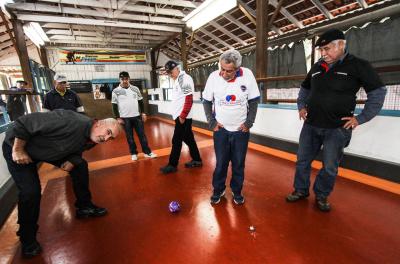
(183, 133)
(230, 147)
(332, 141)
(27, 181)
(136, 123)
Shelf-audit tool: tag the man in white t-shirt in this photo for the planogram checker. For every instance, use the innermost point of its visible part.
(127, 106)
(232, 92)
(182, 101)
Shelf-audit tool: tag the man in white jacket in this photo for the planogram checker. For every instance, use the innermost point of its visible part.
(182, 101)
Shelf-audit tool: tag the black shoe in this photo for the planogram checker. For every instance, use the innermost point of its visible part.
(90, 211)
(323, 204)
(31, 250)
(238, 199)
(168, 169)
(296, 196)
(216, 197)
(193, 164)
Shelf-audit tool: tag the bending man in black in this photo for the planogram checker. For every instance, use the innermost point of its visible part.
(58, 137)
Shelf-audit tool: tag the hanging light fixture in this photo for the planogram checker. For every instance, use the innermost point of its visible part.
(207, 11)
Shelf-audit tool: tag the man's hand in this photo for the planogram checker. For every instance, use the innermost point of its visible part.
(181, 120)
(351, 123)
(217, 127)
(303, 114)
(21, 157)
(243, 128)
(144, 117)
(120, 121)
(67, 166)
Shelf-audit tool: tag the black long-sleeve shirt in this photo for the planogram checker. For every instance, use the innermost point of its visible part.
(52, 136)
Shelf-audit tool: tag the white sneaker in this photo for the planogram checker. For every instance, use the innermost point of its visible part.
(134, 157)
(151, 155)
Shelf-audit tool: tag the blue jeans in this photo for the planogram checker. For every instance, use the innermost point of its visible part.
(230, 146)
(137, 124)
(5, 114)
(332, 141)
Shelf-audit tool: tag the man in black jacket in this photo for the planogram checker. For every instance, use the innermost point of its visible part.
(58, 137)
(326, 102)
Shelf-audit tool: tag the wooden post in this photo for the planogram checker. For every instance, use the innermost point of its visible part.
(43, 57)
(312, 51)
(262, 43)
(183, 49)
(23, 56)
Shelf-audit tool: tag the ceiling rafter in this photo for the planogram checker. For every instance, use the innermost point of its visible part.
(287, 14)
(362, 3)
(228, 33)
(127, 7)
(90, 12)
(253, 14)
(86, 21)
(322, 9)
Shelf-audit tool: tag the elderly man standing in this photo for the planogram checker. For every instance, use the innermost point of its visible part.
(182, 101)
(58, 137)
(234, 93)
(326, 103)
(62, 98)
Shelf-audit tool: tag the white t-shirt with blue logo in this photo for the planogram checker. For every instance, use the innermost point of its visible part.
(127, 100)
(231, 98)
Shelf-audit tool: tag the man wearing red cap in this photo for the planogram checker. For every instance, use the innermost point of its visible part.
(326, 103)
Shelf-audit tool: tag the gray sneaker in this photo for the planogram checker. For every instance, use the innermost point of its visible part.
(168, 169)
(323, 204)
(296, 196)
(216, 197)
(238, 199)
(193, 164)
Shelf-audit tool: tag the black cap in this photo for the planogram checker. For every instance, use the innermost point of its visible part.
(170, 65)
(22, 81)
(329, 36)
(124, 74)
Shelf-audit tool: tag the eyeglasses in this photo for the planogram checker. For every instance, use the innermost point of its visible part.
(62, 82)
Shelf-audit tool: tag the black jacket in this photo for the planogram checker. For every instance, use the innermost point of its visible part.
(53, 136)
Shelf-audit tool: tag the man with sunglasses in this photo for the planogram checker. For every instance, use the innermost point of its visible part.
(230, 101)
(62, 98)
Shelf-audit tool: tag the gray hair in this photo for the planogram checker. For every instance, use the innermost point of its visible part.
(337, 41)
(110, 122)
(231, 56)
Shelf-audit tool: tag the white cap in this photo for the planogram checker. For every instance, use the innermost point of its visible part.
(60, 78)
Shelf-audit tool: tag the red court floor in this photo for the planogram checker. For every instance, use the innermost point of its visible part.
(363, 226)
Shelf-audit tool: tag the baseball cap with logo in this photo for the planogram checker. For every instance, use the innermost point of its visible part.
(60, 78)
(170, 65)
(329, 36)
(123, 74)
